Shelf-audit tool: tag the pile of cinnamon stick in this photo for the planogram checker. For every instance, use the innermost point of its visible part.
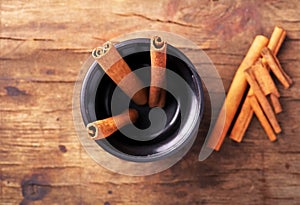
(261, 99)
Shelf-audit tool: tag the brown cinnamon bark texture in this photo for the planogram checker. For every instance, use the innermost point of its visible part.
(261, 117)
(276, 68)
(264, 79)
(103, 128)
(117, 69)
(276, 104)
(244, 119)
(162, 98)
(158, 49)
(277, 37)
(262, 99)
(235, 93)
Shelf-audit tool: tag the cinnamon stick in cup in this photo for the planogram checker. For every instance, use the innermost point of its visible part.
(162, 98)
(117, 69)
(158, 49)
(235, 93)
(103, 128)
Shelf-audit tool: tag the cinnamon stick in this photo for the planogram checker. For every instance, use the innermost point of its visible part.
(264, 79)
(281, 39)
(117, 69)
(276, 104)
(162, 98)
(244, 118)
(276, 68)
(276, 40)
(103, 128)
(262, 100)
(235, 93)
(261, 117)
(158, 49)
(288, 78)
(277, 37)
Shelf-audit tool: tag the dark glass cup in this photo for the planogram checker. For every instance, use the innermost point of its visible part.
(95, 104)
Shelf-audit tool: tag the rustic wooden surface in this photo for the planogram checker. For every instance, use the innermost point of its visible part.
(43, 45)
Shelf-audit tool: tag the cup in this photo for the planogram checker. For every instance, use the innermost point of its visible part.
(170, 143)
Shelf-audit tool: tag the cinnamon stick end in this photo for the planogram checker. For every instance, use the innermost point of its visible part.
(217, 148)
(234, 138)
(141, 97)
(277, 130)
(93, 131)
(158, 42)
(276, 104)
(101, 50)
(133, 115)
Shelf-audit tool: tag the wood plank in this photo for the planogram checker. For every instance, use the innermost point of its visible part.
(42, 48)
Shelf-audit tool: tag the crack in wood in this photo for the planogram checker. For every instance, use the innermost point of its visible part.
(34, 80)
(230, 178)
(12, 38)
(25, 39)
(156, 19)
(52, 81)
(72, 50)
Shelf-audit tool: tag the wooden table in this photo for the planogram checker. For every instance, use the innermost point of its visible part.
(43, 46)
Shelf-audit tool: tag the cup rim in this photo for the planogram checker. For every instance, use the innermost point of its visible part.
(186, 138)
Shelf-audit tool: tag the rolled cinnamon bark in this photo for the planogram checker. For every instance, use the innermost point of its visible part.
(280, 41)
(103, 128)
(235, 93)
(158, 49)
(244, 118)
(261, 117)
(162, 98)
(117, 69)
(276, 104)
(264, 79)
(262, 99)
(277, 37)
(276, 68)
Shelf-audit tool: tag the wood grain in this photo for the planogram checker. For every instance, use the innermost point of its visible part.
(42, 48)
